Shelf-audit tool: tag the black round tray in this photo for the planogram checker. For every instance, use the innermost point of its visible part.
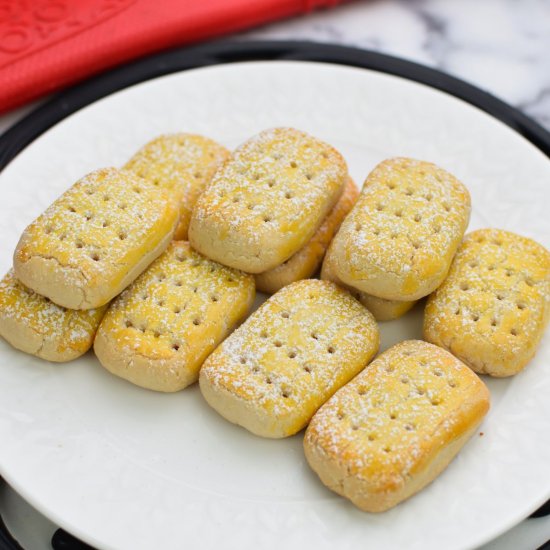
(34, 124)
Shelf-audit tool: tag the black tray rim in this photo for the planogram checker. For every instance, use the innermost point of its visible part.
(16, 138)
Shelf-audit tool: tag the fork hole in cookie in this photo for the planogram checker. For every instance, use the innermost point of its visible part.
(160, 303)
(387, 449)
(309, 176)
(475, 318)
(143, 328)
(236, 199)
(394, 236)
(242, 360)
(358, 227)
(289, 195)
(331, 349)
(214, 298)
(106, 198)
(514, 332)
(362, 390)
(491, 268)
(292, 355)
(307, 369)
(293, 164)
(197, 321)
(324, 154)
(494, 322)
(376, 232)
(178, 283)
(175, 346)
(123, 206)
(473, 264)
(464, 286)
(371, 437)
(268, 380)
(122, 235)
(399, 213)
(278, 343)
(71, 209)
(177, 309)
(416, 245)
(137, 190)
(197, 175)
(409, 427)
(95, 257)
(452, 383)
(263, 334)
(437, 228)
(437, 372)
(315, 336)
(267, 219)
(128, 323)
(48, 229)
(106, 223)
(160, 277)
(285, 315)
(447, 207)
(435, 401)
(529, 282)
(340, 415)
(63, 236)
(380, 207)
(354, 427)
(156, 334)
(393, 416)
(500, 297)
(417, 218)
(521, 306)
(285, 394)
(409, 192)
(404, 380)
(271, 183)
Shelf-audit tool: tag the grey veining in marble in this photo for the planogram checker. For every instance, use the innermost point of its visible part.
(502, 46)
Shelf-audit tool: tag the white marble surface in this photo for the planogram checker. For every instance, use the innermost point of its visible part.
(502, 46)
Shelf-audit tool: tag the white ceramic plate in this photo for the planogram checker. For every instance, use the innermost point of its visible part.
(126, 468)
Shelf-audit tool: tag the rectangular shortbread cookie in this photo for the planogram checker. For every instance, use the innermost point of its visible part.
(268, 200)
(398, 241)
(306, 261)
(289, 357)
(159, 331)
(95, 239)
(183, 163)
(383, 310)
(36, 325)
(492, 309)
(396, 426)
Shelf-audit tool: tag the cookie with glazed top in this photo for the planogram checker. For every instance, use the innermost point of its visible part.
(268, 200)
(492, 309)
(35, 325)
(289, 357)
(95, 239)
(181, 163)
(383, 310)
(396, 426)
(398, 241)
(306, 261)
(159, 331)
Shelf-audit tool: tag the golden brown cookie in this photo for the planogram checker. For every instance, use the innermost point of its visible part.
(95, 239)
(289, 357)
(396, 426)
(159, 331)
(36, 325)
(492, 309)
(398, 241)
(268, 200)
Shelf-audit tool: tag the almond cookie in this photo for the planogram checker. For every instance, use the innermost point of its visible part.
(492, 309)
(289, 357)
(395, 427)
(400, 238)
(35, 325)
(268, 200)
(183, 163)
(306, 261)
(383, 310)
(95, 239)
(159, 331)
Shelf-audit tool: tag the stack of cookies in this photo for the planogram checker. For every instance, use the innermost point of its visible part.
(157, 264)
